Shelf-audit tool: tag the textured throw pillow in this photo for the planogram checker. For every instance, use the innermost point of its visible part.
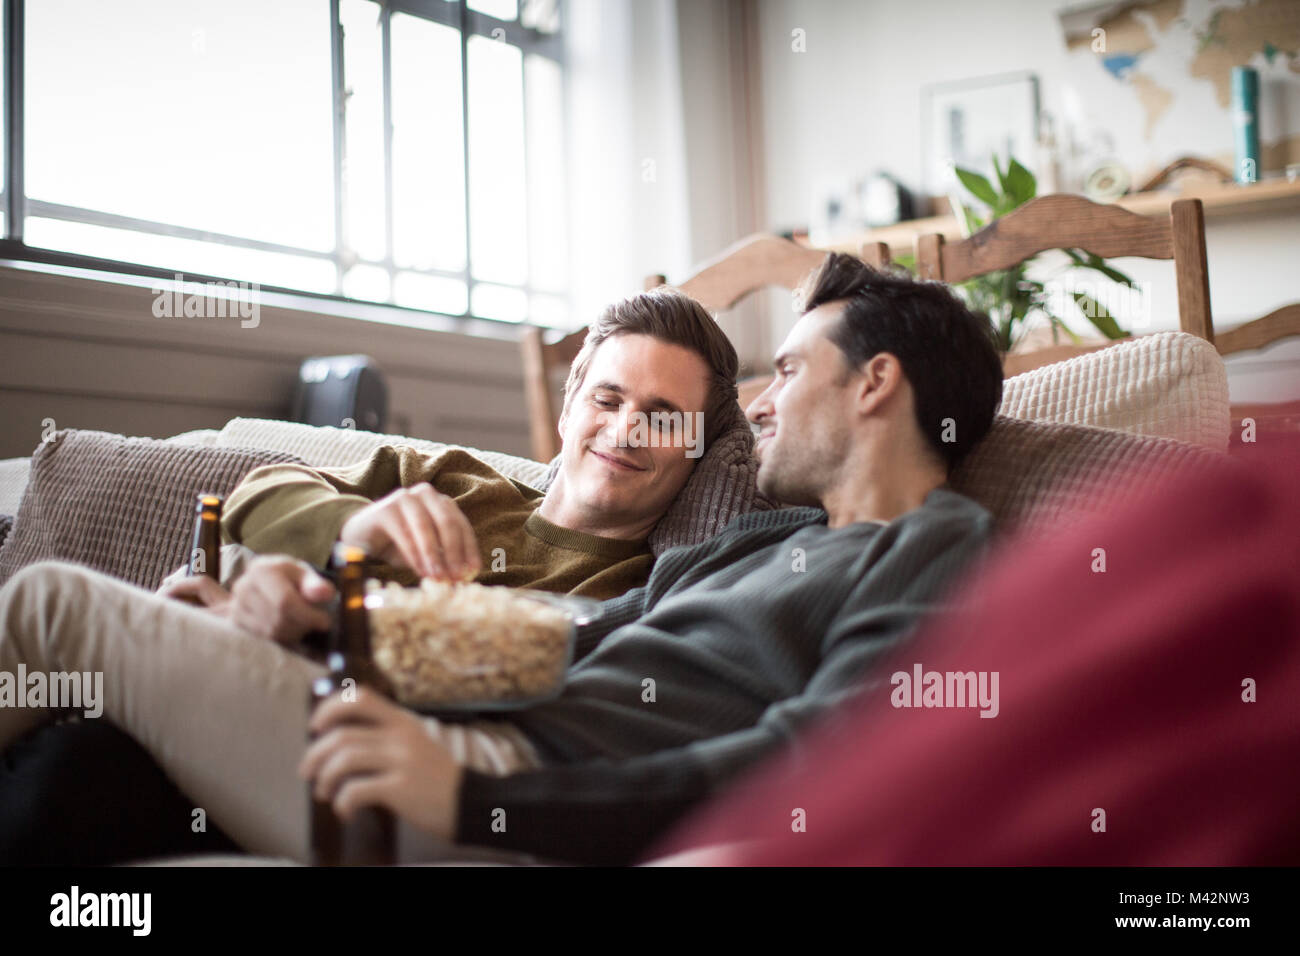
(1037, 475)
(6, 525)
(723, 486)
(1169, 384)
(124, 506)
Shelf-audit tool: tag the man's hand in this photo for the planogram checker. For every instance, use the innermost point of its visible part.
(369, 752)
(417, 528)
(276, 599)
(200, 590)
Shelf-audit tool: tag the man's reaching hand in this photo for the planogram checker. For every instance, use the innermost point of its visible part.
(417, 528)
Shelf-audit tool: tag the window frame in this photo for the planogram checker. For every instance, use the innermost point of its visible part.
(452, 13)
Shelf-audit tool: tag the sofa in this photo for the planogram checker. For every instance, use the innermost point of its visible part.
(124, 505)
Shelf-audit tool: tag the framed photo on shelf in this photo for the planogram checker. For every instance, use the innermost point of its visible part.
(964, 122)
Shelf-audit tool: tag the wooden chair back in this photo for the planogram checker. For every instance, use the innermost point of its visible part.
(1063, 221)
(1279, 324)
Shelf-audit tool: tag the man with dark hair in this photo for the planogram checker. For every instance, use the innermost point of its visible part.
(958, 384)
(730, 650)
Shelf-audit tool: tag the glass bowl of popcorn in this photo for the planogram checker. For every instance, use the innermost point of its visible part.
(464, 646)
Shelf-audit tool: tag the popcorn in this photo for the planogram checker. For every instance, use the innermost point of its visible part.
(467, 646)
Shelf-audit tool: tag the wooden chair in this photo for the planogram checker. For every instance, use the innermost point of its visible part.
(1279, 324)
(720, 283)
(1063, 221)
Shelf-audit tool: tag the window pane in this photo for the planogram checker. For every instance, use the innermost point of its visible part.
(501, 9)
(498, 302)
(541, 15)
(548, 249)
(366, 282)
(498, 232)
(363, 144)
(180, 111)
(183, 255)
(428, 146)
(550, 311)
(4, 132)
(434, 293)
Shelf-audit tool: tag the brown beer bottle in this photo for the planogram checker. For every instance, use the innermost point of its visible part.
(205, 551)
(370, 837)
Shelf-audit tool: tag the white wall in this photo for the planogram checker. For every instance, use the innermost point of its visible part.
(628, 170)
(851, 105)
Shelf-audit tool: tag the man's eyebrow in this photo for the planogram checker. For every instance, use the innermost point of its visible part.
(784, 357)
(656, 401)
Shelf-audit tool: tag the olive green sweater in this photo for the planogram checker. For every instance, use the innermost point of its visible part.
(296, 510)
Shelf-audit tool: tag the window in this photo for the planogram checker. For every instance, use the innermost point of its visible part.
(407, 152)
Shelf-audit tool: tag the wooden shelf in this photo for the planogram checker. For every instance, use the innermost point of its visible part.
(1219, 200)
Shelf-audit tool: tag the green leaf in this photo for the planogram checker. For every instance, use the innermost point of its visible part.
(976, 185)
(906, 262)
(1021, 184)
(969, 222)
(1096, 313)
(1110, 272)
(1089, 261)
(1002, 179)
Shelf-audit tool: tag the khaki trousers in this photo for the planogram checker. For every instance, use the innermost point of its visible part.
(222, 712)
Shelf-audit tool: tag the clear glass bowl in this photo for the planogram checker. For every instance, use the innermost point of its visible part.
(469, 647)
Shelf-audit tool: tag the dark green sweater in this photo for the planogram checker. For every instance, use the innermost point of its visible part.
(744, 649)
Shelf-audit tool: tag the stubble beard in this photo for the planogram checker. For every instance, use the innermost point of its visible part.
(793, 478)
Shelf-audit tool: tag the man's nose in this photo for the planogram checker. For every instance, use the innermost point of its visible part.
(614, 427)
(760, 408)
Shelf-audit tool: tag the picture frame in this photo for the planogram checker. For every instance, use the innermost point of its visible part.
(965, 121)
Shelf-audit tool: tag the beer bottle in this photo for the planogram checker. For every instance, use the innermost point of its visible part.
(205, 551)
(370, 837)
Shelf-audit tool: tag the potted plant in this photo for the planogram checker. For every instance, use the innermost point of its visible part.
(1013, 301)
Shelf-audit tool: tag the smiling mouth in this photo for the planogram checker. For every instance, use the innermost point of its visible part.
(616, 462)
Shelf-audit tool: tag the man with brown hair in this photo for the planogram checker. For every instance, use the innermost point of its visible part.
(654, 358)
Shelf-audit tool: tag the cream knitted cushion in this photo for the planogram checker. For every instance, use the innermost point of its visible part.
(1169, 384)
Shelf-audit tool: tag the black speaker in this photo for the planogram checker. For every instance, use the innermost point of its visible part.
(346, 391)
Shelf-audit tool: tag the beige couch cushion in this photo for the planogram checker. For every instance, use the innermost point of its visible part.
(124, 506)
(1169, 384)
(13, 480)
(1036, 475)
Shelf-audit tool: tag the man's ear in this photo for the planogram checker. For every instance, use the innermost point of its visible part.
(882, 375)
